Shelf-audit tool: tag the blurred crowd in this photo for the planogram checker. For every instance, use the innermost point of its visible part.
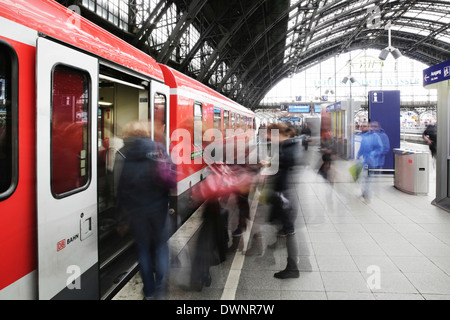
(149, 174)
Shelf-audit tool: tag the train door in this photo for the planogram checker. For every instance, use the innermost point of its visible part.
(67, 90)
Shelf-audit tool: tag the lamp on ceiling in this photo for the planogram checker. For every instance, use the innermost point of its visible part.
(390, 49)
(351, 78)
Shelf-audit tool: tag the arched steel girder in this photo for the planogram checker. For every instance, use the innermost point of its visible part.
(207, 71)
(150, 24)
(260, 85)
(182, 24)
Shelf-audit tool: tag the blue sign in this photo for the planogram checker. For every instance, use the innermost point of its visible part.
(437, 73)
(299, 109)
(317, 108)
(384, 108)
(377, 96)
(334, 107)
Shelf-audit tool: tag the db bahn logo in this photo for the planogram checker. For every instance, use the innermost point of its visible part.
(61, 245)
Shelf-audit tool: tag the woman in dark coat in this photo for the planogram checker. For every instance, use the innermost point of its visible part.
(144, 199)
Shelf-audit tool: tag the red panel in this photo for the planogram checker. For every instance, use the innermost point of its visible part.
(51, 18)
(18, 213)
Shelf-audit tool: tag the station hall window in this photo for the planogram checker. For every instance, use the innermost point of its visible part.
(70, 130)
(198, 124)
(8, 119)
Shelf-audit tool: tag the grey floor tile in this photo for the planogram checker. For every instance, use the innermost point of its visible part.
(303, 295)
(430, 283)
(336, 263)
(258, 294)
(415, 264)
(350, 296)
(391, 283)
(398, 296)
(330, 249)
(344, 282)
(308, 281)
(384, 263)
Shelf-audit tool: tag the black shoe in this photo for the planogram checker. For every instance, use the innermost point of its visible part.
(287, 274)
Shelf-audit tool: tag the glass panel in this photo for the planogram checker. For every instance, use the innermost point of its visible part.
(233, 120)
(198, 124)
(217, 119)
(6, 120)
(160, 117)
(70, 142)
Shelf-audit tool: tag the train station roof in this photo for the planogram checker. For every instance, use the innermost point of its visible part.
(242, 48)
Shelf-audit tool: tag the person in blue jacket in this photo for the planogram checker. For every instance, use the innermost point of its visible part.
(370, 152)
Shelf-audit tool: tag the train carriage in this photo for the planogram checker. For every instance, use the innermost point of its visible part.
(67, 88)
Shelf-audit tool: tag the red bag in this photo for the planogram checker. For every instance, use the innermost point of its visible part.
(222, 181)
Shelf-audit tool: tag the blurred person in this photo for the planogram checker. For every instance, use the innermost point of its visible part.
(306, 132)
(430, 137)
(282, 199)
(144, 198)
(376, 128)
(370, 150)
(328, 150)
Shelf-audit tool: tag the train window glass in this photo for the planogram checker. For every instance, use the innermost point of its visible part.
(217, 118)
(233, 120)
(8, 120)
(198, 124)
(70, 128)
(226, 120)
(160, 117)
(244, 124)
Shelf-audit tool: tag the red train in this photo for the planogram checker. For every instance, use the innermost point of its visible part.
(67, 88)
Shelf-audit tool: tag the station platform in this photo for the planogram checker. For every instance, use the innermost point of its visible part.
(394, 247)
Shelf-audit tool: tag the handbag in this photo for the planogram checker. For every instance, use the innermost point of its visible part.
(355, 170)
(165, 171)
(221, 181)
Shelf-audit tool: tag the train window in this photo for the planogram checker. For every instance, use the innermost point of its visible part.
(8, 120)
(233, 120)
(226, 120)
(198, 124)
(160, 117)
(218, 119)
(70, 130)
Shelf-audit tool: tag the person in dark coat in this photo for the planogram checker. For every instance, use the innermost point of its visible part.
(282, 199)
(306, 132)
(430, 137)
(145, 202)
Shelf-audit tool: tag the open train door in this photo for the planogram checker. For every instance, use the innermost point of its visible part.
(67, 94)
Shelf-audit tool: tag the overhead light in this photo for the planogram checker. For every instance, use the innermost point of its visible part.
(351, 78)
(390, 49)
(125, 83)
(396, 53)
(103, 103)
(384, 54)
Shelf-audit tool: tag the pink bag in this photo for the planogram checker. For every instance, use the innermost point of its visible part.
(222, 181)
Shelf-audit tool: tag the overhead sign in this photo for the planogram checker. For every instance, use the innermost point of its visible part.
(299, 109)
(334, 107)
(437, 73)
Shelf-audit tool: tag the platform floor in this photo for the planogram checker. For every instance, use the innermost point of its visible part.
(395, 246)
